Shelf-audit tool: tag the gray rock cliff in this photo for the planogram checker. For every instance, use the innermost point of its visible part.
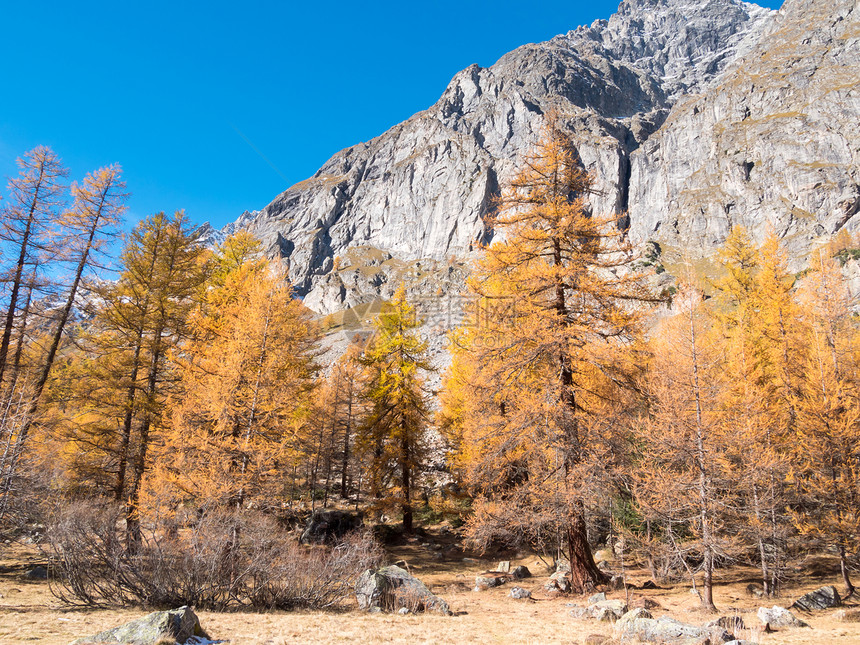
(773, 142)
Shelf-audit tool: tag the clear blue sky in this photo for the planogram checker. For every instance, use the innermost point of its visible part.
(166, 88)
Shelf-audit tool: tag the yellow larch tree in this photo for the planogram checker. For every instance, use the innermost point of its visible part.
(754, 310)
(85, 228)
(246, 376)
(391, 436)
(558, 302)
(682, 481)
(826, 455)
(114, 386)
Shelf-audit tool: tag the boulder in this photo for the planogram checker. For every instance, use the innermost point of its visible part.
(579, 612)
(521, 572)
(598, 597)
(326, 526)
(392, 588)
(180, 624)
(644, 603)
(559, 581)
(504, 566)
(595, 639)
(667, 630)
(631, 616)
(755, 590)
(821, 598)
(607, 610)
(520, 593)
(777, 617)
(490, 579)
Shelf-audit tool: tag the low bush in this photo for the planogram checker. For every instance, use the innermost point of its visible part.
(225, 560)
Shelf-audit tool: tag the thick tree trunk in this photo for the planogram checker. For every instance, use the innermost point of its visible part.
(584, 574)
(708, 585)
(128, 418)
(132, 507)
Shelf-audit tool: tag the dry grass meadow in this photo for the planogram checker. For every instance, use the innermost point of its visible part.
(30, 614)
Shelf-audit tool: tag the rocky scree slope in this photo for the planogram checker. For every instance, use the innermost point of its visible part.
(420, 191)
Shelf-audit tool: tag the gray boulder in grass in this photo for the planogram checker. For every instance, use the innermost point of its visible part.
(392, 588)
(637, 626)
(821, 598)
(180, 624)
(779, 617)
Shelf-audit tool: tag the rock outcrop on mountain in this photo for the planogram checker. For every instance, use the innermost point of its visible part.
(691, 114)
(774, 142)
(422, 189)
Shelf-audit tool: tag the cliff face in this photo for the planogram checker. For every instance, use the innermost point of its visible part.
(692, 114)
(774, 142)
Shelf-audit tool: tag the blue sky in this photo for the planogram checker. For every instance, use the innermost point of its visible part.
(217, 107)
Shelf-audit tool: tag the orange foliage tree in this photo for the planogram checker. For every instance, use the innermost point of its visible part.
(826, 446)
(559, 305)
(246, 377)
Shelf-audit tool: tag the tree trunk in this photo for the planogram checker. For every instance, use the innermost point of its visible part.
(22, 330)
(132, 507)
(584, 574)
(846, 579)
(765, 576)
(376, 473)
(405, 480)
(701, 464)
(128, 418)
(16, 281)
(344, 484)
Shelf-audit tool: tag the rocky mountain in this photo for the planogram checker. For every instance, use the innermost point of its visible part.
(692, 115)
(773, 143)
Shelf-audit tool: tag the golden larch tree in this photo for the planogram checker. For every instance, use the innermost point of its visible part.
(558, 301)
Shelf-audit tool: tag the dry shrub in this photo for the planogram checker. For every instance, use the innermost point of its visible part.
(224, 560)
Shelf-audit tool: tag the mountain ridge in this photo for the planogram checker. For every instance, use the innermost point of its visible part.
(421, 190)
